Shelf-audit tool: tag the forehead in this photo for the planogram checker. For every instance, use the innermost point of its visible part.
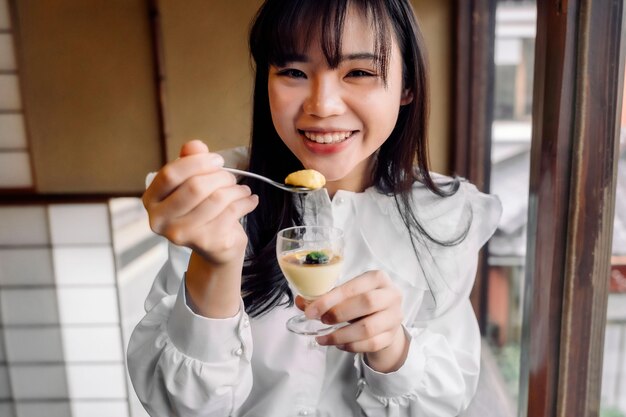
(334, 27)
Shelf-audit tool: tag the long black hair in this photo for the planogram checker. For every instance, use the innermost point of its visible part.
(282, 28)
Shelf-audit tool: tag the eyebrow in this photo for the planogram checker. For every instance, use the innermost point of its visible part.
(350, 57)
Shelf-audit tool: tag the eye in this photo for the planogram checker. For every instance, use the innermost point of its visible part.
(291, 73)
(361, 73)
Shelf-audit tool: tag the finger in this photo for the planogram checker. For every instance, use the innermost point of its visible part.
(363, 283)
(364, 329)
(213, 206)
(193, 147)
(373, 344)
(172, 175)
(194, 229)
(217, 235)
(301, 303)
(192, 193)
(363, 304)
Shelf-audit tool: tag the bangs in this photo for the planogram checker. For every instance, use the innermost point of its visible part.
(283, 32)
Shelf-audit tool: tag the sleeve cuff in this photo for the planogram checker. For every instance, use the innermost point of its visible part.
(400, 382)
(207, 339)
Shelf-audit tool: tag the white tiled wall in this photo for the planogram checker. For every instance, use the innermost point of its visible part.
(34, 345)
(12, 132)
(88, 305)
(5, 21)
(84, 265)
(6, 409)
(15, 166)
(10, 97)
(37, 382)
(43, 409)
(101, 381)
(61, 338)
(7, 55)
(26, 267)
(99, 408)
(5, 388)
(30, 307)
(23, 226)
(92, 344)
(79, 224)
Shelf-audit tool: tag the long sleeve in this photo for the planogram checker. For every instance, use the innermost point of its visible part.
(439, 376)
(182, 364)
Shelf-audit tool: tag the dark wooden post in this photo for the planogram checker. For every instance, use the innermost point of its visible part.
(473, 112)
(578, 76)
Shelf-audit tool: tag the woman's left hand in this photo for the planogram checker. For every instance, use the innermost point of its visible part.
(372, 306)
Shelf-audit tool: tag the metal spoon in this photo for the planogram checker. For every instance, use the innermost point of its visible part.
(285, 187)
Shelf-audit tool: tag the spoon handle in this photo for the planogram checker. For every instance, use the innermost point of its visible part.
(284, 187)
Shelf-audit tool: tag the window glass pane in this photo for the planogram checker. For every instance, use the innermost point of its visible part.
(613, 400)
(510, 167)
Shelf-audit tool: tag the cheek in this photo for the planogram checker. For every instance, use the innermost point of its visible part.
(283, 108)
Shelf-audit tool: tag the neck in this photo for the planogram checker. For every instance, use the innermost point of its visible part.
(356, 181)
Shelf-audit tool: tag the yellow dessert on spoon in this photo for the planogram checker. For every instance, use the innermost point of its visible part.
(308, 178)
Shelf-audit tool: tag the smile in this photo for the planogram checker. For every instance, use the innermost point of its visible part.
(327, 137)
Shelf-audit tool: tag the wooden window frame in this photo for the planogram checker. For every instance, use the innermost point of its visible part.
(579, 62)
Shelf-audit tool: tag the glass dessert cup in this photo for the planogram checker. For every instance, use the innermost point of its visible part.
(310, 258)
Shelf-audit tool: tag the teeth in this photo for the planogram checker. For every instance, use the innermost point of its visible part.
(327, 137)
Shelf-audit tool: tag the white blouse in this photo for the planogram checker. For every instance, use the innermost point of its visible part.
(183, 364)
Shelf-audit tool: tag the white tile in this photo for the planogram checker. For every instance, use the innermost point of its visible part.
(29, 306)
(79, 223)
(10, 98)
(26, 266)
(96, 381)
(6, 409)
(99, 409)
(15, 170)
(92, 344)
(5, 17)
(23, 225)
(43, 409)
(7, 54)
(34, 344)
(38, 382)
(3, 356)
(12, 131)
(84, 266)
(88, 305)
(5, 387)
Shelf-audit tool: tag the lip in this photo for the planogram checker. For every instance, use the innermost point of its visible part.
(327, 148)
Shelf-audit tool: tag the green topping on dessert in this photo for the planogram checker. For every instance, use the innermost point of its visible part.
(316, 257)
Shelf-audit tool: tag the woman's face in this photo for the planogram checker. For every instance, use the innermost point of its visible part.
(334, 120)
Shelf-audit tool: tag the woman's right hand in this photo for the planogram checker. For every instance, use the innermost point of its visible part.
(194, 203)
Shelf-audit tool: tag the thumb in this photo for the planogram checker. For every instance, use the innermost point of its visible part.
(193, 147)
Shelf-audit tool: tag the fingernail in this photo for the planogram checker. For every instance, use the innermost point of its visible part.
(217, 160)
(341, 347)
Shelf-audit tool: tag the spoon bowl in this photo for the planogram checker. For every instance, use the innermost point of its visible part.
(284, 187)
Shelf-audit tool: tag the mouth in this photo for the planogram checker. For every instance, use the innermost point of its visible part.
(330, 138)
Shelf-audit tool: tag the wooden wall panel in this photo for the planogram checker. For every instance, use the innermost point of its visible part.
(207, 71)
(89, 92)
(437, 22)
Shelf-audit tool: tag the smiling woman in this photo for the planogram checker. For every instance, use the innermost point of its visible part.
(351, 101)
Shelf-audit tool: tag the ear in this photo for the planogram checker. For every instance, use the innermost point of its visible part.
(406, 97)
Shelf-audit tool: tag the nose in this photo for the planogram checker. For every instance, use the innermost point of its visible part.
(324, 99)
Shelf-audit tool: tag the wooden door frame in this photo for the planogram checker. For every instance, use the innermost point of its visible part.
(579, 62)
